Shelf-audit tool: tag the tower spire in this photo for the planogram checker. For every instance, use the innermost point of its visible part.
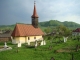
(34, 17)
(34, 11)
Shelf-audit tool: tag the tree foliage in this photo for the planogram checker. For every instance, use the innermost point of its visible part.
(47, 30)
(63, 30)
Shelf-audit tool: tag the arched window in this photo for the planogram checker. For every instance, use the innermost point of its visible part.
(34, 37)
(28, 38)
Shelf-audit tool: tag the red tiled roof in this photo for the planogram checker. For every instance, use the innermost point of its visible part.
(77, 30)
(34, 12)
(26, 30)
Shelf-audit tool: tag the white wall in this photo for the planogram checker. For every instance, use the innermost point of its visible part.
(16, 40)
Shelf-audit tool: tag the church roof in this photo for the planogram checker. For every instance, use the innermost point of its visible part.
(34, 12)
(26, 30)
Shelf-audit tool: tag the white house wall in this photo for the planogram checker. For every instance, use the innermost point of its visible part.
(25, 39)
(76, 33)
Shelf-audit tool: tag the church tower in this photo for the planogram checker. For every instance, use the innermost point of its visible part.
(34, 17)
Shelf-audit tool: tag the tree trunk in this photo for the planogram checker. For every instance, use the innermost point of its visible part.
(77, 48)
(72, 57)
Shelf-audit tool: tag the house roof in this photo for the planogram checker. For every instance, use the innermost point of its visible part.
(34, 12)
(6, 34)
(26, 30)
(77, 30)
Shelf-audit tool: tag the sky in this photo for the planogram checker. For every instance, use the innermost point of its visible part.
(20, 11)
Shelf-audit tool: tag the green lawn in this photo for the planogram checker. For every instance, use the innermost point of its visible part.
(41, 52)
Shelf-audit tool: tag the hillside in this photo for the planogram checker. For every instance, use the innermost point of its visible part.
(3, 27)
(50, 23)
(55, 23)
(54, 48)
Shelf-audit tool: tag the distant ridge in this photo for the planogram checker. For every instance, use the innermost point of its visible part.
(57, 23)
(50, 23)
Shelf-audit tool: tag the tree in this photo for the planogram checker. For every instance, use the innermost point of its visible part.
(64, 31)
(47, 30)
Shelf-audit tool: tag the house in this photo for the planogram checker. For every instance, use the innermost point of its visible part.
(27, 33)
(6, 36)
(1, 32)
(76, 32)
(51, 34)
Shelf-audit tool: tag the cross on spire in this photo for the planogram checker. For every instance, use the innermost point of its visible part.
(34, 2)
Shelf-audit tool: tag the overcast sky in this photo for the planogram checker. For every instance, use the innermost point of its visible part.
(20, 11)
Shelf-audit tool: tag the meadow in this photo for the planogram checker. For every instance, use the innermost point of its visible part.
(54, 48)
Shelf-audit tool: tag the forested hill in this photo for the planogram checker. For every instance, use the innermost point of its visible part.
(50, 23)
(57, 23)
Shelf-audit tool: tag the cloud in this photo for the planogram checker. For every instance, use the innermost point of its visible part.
(73, 18)
(13, 11)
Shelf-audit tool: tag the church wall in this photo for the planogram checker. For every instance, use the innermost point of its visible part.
(15, 40)
(22, 39)
(25, 39)
(33, 38)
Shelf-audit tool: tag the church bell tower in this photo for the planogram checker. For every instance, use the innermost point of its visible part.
(35, 17)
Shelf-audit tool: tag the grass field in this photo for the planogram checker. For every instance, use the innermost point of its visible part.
(41, 52)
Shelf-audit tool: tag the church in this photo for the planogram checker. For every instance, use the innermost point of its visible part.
(27, 33)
